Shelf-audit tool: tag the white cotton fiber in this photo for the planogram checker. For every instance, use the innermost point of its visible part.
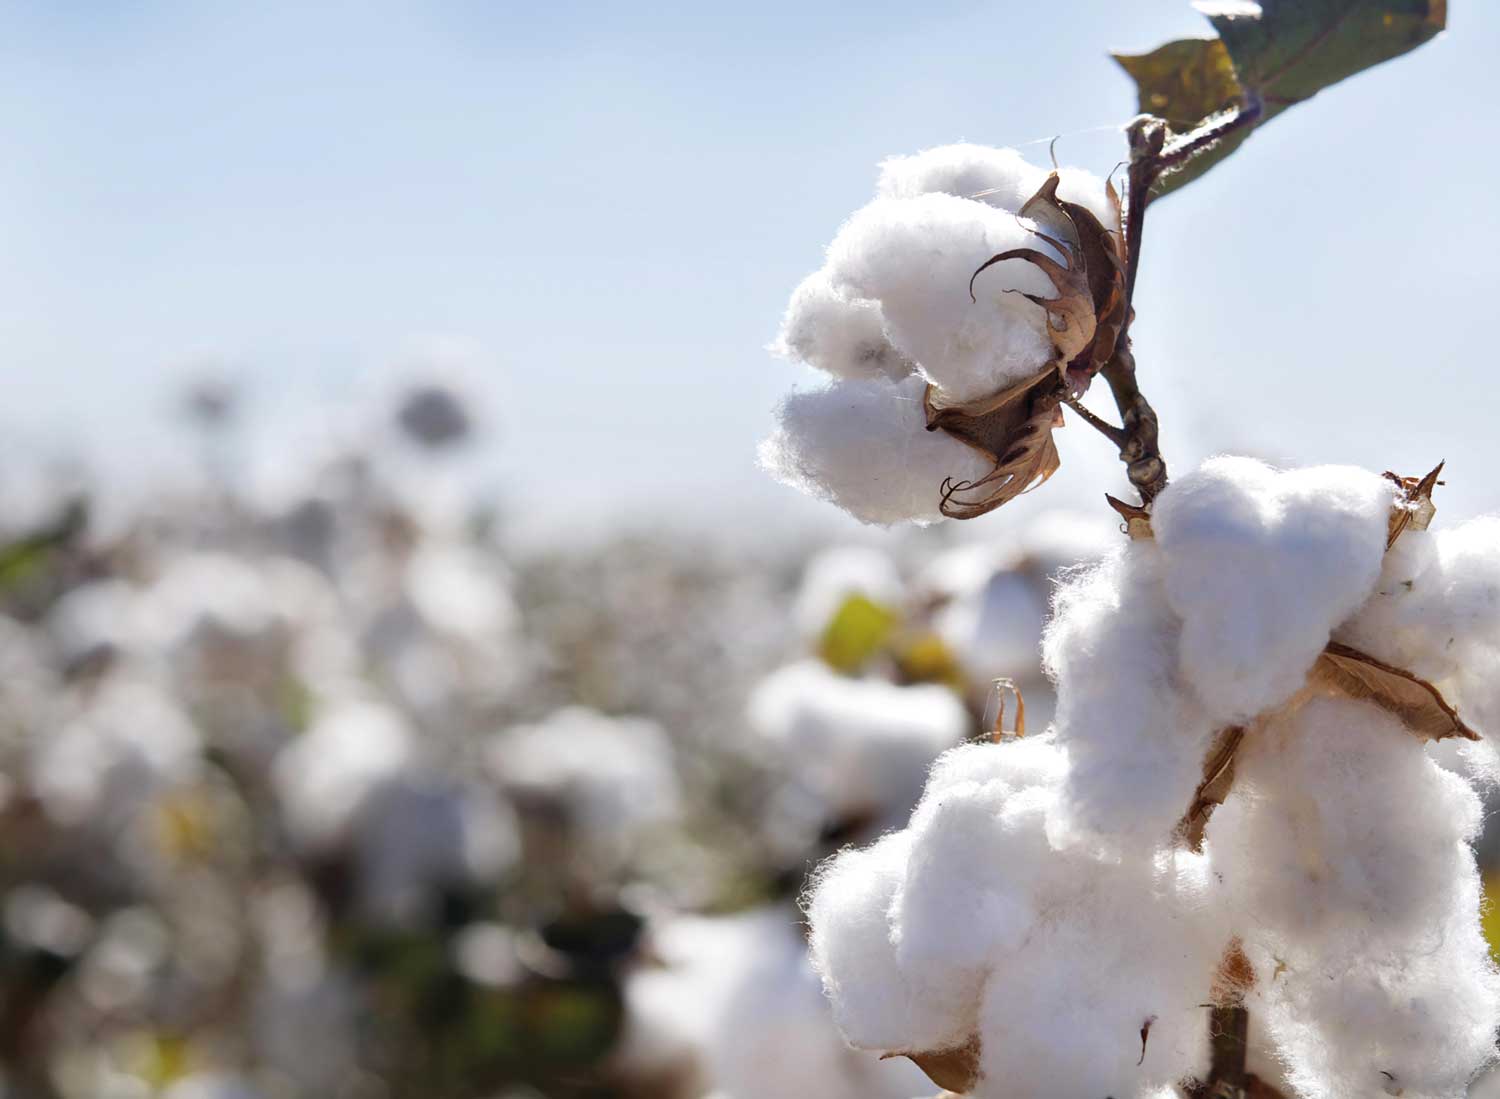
(1064, 1016)
(974, 875)
(1344, 853)
(1436, 613)
(843, 335)
(864, 445)
(996, 177)
(1261, 565)
(852, 948)
(915, 258)
(1135, 738)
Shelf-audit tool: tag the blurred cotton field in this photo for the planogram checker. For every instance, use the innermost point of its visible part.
(323, 785)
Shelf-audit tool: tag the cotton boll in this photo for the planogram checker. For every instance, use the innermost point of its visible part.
(861, 746)
(1344, 851)
(1340, 826)
(852, 950)
(1136, 741)
(832, 331)
(915, 258)
(1436, 613)
(1064, 1015)
(997, 177)
(864, 445)
(93, 622)
(1260, 566)
(834, 575)
(974, 883)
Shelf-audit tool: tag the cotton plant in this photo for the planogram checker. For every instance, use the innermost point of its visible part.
(1232, 864)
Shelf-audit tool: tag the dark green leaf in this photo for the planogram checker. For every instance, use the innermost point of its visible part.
(1289, 50)
(1274, 53)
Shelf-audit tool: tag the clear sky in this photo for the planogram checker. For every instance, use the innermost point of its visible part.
(610, 202)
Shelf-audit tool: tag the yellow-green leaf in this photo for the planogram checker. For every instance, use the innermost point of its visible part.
(857, 631)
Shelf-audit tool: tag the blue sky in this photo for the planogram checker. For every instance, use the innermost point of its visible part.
(610, 203)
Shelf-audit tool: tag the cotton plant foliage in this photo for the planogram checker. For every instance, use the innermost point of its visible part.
(891, 318)
(1043, 926)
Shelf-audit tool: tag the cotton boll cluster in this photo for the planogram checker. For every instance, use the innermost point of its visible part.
(1043, 918)
(890, 313)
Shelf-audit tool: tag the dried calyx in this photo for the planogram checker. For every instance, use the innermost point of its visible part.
(1086, 317)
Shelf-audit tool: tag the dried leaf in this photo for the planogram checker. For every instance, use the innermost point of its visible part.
(955, 1070)
(1014, 428)
(1342, 670)
(1218, 778)
(1414, 511)
(1145, 1033)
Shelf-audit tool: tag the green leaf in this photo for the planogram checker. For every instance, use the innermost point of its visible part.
(1289, 50)
(1185, 83)
(1274, 53)
(857, 631)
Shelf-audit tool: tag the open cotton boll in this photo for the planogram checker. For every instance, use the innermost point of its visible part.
(1121, 945)
(834, 575)
(974, 882)
(832, 331)
(915, 258)
(1341, 826)
(1261, 565)
(1436, 609)
(1135, 739)
(864, 446)
(1344, 853)
(853, 952)
(997, 177)
(862, 746)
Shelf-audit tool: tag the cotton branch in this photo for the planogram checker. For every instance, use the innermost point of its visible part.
(1151, 155)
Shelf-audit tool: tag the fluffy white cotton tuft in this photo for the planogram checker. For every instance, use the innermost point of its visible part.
(832, 331)
(996, 177)
(864, 445)
(1135, 738)
(1344, 852)
(1261, 565)
(915, 258)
